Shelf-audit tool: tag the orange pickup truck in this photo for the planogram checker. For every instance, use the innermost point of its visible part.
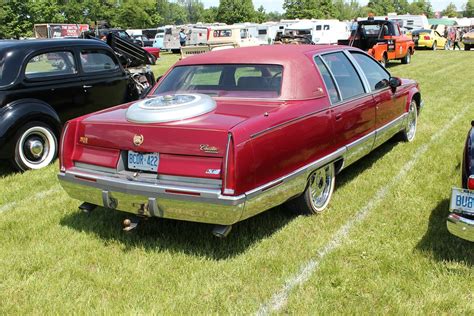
(382, 39)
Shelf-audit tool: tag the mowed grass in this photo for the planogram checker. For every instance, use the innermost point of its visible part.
(399, 259)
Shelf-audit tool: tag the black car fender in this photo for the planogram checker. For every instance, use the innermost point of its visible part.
(468, 157)
(19, 112)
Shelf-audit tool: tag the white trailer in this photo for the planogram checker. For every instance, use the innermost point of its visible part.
(320, 31)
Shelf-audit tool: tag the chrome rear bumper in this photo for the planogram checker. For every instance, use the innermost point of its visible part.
(179, 202)
(460, 226)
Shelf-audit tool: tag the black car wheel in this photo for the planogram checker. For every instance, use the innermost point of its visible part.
(36, 146)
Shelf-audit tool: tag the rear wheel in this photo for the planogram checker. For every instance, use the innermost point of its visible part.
(446, 46)
(318, 192)
(407, 58)
(408, 134)
(467, 47)
(36, 146)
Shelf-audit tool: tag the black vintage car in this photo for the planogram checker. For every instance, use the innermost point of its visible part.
(43, 83)
(461, 219)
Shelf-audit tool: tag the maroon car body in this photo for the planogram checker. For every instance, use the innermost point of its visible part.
(284, 121)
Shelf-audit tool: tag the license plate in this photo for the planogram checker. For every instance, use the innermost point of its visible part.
(144, 162)
(415, 38)
(462, 200)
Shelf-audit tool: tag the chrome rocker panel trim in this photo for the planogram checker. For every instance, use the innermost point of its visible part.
(460, 226)
(198, 203)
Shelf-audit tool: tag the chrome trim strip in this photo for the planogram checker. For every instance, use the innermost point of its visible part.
(305, 169)
(88, 166)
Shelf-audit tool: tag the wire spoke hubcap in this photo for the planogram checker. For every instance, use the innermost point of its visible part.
(320, 186)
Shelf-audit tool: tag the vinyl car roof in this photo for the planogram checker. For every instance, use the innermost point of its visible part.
(300, 81)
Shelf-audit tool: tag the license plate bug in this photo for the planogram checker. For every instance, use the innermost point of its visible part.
(142, 161)
(462, 200)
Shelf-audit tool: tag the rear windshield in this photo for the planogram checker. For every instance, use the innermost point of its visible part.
(233, 80)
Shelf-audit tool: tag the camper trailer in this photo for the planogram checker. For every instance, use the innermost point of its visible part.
(267, 32)
(320, 31)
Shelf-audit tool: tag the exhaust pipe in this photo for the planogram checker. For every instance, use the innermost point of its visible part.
(221, 231)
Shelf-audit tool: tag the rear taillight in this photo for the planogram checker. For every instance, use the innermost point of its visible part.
(426, 37)
(229, 168)
(470, 183)
(66, 145)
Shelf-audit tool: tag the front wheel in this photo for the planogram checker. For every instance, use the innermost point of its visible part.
(36, 146)
(408, 134)
(467, 47)
(318, 192)
(434, 46)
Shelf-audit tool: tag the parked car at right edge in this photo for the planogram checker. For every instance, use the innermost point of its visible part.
(461, 219)
(468, 40)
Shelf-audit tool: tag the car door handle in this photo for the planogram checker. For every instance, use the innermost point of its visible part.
(86, 86)
(338, 117)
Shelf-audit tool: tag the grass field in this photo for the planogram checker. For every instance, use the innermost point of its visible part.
(382, 246)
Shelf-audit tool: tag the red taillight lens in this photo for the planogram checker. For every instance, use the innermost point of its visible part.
(470, 183)
(229, 168)
(427, 37)
(67, 144)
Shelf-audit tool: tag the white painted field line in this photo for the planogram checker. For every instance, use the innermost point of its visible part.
(279, 300)
(39, 195)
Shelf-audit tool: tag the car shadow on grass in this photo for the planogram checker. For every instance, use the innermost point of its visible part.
(352, 171)
(196, 239)
(6, 168)
(442, 245)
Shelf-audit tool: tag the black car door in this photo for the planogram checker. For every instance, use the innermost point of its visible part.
(104, 82)
(52, 76)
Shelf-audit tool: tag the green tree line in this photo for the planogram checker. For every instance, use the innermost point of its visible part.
(18, 16)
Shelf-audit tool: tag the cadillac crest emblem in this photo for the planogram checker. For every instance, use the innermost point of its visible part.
(138, 140)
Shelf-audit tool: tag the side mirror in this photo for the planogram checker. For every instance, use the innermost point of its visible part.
(394, 82)
(159, 78)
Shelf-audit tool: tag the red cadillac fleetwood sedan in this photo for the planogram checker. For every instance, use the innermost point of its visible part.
(229, 134)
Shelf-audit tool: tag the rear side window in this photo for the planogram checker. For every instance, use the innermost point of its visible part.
(347, 78)
(374, 72)
(50, 64)
(98, 60)
(328, 81)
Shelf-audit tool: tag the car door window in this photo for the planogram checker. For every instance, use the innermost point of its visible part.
(376, 75)
(50, 64)
(328, 81)
(347, 78)
(98, 60)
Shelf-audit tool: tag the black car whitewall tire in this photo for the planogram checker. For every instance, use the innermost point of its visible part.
(410, 129)
(318, 193)
(36, 146)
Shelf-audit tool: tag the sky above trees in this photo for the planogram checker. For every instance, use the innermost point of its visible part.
(277, 5)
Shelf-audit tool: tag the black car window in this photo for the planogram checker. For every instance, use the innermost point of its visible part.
(376, 75)
(50, 64)
(348, 81)
(98, 60)
(328, 81)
